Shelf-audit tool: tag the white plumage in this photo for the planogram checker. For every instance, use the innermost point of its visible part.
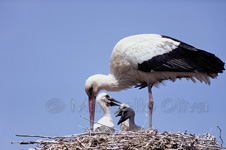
(148, 59)
(139, 48)
(106, 122)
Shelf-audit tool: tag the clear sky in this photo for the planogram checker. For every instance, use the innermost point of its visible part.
(48, 48)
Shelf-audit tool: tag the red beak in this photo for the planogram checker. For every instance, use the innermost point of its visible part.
(92, 101)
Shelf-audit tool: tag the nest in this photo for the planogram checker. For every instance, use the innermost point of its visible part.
(143, 139)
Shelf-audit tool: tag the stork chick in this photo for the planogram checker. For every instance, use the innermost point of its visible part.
(128, 113)
(124, 124)
(105, 123)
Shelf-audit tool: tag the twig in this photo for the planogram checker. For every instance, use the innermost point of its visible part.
(222, 142)
(83, 127)
(40, 136)
(99, 123)
(146, 117)
(54, 137)
(35, 142)
(211, 130)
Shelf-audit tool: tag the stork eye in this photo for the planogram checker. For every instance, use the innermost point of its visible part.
(91, 91)
(107, 96)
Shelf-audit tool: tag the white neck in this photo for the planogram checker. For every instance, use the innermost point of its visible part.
(104, 108)
(108, 83)
(106, 119)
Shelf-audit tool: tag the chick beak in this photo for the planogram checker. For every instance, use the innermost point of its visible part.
(114, 102)
(118, 111)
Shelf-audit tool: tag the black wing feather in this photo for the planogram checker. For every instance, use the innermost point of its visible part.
(185, 58)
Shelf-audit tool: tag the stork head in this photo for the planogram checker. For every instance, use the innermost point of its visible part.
(93, 85)
(92, 88)
(125, 114)
(106, 100)
(121, 107)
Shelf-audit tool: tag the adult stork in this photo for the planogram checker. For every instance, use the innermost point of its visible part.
(146, 60)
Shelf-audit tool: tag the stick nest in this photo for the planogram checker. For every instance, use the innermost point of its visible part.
(143, 139)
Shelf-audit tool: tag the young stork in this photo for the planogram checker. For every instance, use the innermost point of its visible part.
(148, 59)
(105, 123)
(124, 124)
(128, 113)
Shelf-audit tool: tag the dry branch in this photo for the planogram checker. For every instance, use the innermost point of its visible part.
(222, 142)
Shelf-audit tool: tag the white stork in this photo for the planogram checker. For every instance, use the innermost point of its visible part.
(105, 123)
(146, 60)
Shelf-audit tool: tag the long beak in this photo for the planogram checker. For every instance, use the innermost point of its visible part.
(122, 119)
(118, 111)
(114, 102)
(92, 101)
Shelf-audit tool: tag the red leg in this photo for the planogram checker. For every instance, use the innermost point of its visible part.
(151, 103)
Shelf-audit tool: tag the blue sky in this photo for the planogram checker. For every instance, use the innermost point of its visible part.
(49, 48)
